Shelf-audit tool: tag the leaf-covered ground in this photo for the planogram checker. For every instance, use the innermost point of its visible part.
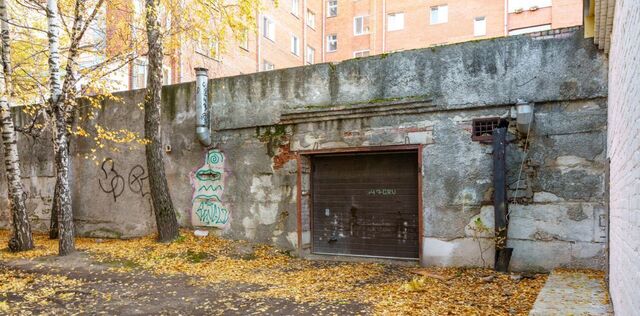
(212, 275)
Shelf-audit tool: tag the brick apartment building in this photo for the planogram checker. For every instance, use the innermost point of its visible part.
(373, 27)
(300, 32)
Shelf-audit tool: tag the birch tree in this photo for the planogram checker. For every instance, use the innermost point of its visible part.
(22, 238)
(61, 111)
(53, 23)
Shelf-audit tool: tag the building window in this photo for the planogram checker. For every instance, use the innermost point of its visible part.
(244, 44)
(208, 47)
(359, 25)
(295, 7)
(332, 43)
(266, 65)
(439, 14)
(311, 55)
(295, 45)
(311, 19)
(395, 21)
(361, 53)
(269, 28)
(213, 49)
(332, 8)
(479, 26)
(166, 75)
(139, 74)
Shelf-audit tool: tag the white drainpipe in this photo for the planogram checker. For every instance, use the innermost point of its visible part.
(203, 131)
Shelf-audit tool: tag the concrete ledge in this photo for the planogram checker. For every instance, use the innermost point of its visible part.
(573, 293)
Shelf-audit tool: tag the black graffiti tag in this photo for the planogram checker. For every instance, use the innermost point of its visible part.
(137, 175)
(113, 181)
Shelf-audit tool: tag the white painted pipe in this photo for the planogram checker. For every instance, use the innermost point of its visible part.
(203, 130)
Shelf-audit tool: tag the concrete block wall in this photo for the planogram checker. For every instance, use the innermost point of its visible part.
(426, 96)
(624, 152)
(38, 174)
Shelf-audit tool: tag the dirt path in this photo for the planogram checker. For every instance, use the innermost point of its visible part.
(102, 291)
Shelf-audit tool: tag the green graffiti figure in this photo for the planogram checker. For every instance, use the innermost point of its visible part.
(208, 188)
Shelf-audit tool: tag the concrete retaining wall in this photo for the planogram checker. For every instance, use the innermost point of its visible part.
(427, 96)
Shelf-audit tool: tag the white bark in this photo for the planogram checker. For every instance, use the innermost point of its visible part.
(53, 19)
(62, 112)
(53, 35)
(22, 239)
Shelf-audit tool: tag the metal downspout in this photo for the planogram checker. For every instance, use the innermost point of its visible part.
(203, 131)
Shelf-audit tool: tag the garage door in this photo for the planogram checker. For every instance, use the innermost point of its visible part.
(366, 204)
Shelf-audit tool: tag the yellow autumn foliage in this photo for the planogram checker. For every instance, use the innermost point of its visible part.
(391, 289)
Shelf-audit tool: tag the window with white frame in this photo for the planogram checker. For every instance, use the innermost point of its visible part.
(268, 28)
(480, 26)
(266, 65)
(295, 45)
(332, 43)
(295, 7)
(201, 44)
(360, 26)
(214, 50)
(361, 53)
(311, 19)
(244, 44)
(311, 55)
(332, 8)
(395, 21)
(139, 79)
(525, 5)
(208, 47)
(439, 14)
(166, 75)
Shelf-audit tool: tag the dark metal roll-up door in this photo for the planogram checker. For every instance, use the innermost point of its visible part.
(366, 204)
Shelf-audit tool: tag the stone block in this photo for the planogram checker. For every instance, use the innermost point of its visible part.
(549, 222)
(483, 224)
(529, 255)
(424, 138)
(576, 185)
(459, 252)
(545, 197)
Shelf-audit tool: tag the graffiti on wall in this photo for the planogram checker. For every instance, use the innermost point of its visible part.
(208, 189)
(114, 184)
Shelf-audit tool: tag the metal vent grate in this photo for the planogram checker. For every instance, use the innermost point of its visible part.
(483, 129)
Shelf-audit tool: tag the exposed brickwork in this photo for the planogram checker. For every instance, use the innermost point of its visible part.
(624, 150)
(283, 156)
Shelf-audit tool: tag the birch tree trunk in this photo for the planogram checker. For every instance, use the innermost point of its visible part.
(22, 239)
(166, 221)
(66, 243)
(56, 91)
(62, 111)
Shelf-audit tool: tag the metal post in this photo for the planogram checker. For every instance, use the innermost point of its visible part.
(503, 254)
